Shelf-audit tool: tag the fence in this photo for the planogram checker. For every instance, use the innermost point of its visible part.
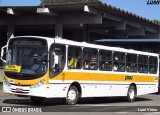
(1, 73)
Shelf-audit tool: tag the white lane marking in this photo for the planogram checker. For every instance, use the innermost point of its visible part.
(121, 112)
(153, 113)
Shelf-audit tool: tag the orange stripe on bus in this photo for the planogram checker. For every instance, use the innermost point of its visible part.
(84, 76)
(102, 77)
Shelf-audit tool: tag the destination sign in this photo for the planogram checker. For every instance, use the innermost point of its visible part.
(27, 43)
(12, 68)
(24, 41)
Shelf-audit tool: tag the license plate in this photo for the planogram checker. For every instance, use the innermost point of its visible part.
(19, 90)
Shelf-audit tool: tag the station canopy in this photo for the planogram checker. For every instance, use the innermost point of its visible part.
(92, 16)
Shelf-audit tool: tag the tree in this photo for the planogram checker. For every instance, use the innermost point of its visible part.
(156, 21)
(50, 2)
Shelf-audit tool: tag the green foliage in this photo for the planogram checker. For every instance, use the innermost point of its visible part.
(156, 21)
(50, 2)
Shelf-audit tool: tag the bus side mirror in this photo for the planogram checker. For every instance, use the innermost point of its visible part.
(2, 53)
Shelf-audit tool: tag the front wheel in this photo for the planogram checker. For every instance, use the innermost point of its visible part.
(37, 100)
(72, 96)
(131, 94)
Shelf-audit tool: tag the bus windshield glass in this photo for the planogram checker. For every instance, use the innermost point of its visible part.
(25, 57)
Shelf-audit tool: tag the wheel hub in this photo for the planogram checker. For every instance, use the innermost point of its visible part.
(71, 95)
(131, 94)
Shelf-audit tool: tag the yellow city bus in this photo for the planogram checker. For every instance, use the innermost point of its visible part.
(42, 67)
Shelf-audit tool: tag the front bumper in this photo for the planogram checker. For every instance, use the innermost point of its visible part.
(46, 90)
(41, 91)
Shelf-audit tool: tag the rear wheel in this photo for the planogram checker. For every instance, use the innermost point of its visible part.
(72, 96)
(131, 94)
(37, 100)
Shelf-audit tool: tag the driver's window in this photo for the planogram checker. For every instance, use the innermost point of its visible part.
(57, 59)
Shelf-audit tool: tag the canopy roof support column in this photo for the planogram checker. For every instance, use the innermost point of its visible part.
(58, 28)
(10, 31)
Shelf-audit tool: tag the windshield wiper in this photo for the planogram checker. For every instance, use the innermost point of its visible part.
(19, 74)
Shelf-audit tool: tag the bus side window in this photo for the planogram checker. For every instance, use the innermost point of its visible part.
(119, 61)
(105, 60)
(74, 57)
(90, 57)
(142, 64)
(153, 65)
(131, 62)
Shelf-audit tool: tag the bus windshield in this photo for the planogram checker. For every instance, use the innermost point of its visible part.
(27, 57)
(26, 60)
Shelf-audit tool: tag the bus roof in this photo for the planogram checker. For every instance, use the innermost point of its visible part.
(84, 44)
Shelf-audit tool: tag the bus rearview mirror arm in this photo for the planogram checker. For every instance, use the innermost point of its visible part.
(2, 53)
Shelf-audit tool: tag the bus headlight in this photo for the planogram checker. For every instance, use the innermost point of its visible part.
(7, 83)
(38, 84)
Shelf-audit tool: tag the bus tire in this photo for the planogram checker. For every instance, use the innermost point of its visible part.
(131, 94)
(37, 100)
(72, 96)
